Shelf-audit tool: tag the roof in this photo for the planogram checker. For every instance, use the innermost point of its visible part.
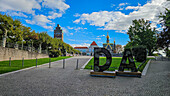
(93, 43)
(80, 47)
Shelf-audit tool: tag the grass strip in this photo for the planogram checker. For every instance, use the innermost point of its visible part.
(115, 63)
(17, 64)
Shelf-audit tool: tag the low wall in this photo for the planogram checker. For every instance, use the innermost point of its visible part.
(16, 54)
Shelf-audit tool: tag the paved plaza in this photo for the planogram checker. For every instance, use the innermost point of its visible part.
(56, 81)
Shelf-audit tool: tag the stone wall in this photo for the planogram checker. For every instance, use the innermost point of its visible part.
(16, 54)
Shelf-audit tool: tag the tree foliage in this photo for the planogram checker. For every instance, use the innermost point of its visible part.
(119, 48)
(13, 31)
(141, 33)
(164, 35)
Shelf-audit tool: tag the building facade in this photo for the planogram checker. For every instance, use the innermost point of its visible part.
(87, 50)
(58, 33)
(91, 48)
(110, 46)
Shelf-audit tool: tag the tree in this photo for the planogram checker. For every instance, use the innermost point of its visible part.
(5, 26)
(16, 34)
(26, 31)
(42, 38)
(164, 35)
(119, 48)
(141, 33)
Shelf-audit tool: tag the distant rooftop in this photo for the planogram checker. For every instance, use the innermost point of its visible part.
(93, 43)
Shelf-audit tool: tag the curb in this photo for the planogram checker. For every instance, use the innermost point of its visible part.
(146, 68)
(85, 64)
(29, 68)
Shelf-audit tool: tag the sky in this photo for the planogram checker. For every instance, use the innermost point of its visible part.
(85, 21)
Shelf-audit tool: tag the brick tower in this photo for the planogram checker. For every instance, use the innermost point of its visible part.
(58, 33)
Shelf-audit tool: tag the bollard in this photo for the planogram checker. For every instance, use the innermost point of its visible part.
(91, 67)
(77, 64)
(63, 63)
(9, 61)
(49, 62)
(22, 62)
(36, 62)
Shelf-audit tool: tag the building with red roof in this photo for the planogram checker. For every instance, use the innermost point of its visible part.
(91, 48)
(83, 50)
(86, 50)
(93, 43)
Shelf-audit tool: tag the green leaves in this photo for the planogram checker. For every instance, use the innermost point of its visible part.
(164, 35)
(141, 33)
(13, 31)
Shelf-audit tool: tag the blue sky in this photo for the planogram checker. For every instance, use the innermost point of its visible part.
(84, 21)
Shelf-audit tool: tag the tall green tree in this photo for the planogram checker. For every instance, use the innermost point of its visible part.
(141, 33)
(6, 25)
(43, 38)
(164, 35)
(16, 33)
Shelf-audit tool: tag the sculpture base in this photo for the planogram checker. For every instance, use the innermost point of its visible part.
(110, 74)
(129, 74)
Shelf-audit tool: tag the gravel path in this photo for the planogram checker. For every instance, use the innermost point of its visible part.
(56, 81)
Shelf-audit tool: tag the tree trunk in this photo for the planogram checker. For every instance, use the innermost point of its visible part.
(4, 38)
(32, 47)
(40, 48)
(22, 45)
(167, 51)
(150, 53)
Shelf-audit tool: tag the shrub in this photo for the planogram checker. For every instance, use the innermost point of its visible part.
(140, 53)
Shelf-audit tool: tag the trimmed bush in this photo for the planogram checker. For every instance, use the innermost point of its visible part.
(140, 53)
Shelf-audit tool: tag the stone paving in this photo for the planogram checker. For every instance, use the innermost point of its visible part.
(55, 81)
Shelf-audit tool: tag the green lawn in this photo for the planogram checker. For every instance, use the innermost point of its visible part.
(17, 64)
(115, 63)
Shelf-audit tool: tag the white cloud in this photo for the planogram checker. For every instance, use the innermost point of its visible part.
(22, 8)
(69, 27)
(65, 30)
(112, 5)
(122, 4)
(42, 21)
(132, 7)
(96, 18)
(101, 35)
(56, 4)
(76, 28)
(30, 22)
(121, 31)
(54, 15)
(76, 15)
(116, 20)
(98, 38)
(19, 5)
(80, 45)
(20, 14)
(71, 39)
(71, 33)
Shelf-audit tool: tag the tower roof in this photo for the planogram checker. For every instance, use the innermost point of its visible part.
(93, 43)
(107, 35)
